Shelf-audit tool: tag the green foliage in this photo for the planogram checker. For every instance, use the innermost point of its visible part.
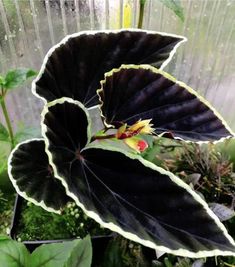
(17, 77)
(214, 166)
(12, 79)
(227, 148)
(76, 253)
(4, 135)
(125, 253)
(13, 254)
(36, 223)
(6, 211)
(175, 6)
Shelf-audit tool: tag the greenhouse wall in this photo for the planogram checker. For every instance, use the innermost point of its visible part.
(28, 29)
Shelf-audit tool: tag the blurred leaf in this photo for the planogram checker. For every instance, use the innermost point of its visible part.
(167, 262)
(13, 253)
(26, 133)
(4, 135)
(112, 255)
(17, 77)
(175, 6)
(221, 211)
(76, 253)
(81, 256)
(198, 263)
(5, 150)
(4, 237)
(193, 178)
(183, 263)
(2, 80)
(159, 253)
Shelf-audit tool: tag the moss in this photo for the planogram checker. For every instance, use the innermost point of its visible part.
(37, 224)
(6, 212)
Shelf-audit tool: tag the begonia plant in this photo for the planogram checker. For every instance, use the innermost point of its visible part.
(120, 73)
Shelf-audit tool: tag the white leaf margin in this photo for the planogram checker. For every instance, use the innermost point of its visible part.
(22, 193)
(115, 228)
(74, 35)
(173, 79)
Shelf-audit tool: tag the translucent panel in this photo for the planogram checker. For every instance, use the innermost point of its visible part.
(28, 28)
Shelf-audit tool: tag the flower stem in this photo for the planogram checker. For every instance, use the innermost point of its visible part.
(141, 14)
(8, 122)
(102, 137)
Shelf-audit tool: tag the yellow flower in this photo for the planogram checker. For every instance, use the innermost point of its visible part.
(142, 127)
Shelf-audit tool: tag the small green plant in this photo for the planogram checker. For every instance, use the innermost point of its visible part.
(72, 253)
(12, 80)
(8, 138)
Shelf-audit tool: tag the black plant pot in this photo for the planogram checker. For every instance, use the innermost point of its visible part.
(99, 243)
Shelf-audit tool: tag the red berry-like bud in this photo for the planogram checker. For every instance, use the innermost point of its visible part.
(142, 145)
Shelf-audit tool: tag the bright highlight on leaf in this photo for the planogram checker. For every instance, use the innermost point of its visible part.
(140, 92)
(74, 69)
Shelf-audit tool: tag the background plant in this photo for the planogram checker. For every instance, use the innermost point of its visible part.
(8, 137)
(67, 254)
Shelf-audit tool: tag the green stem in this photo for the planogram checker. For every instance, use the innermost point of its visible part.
(141, 15)
(8, 122)
(102, 137)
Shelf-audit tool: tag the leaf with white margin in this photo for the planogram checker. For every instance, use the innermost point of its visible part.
(74, 67)
(127, 194)
(135, 92)
(33, 178)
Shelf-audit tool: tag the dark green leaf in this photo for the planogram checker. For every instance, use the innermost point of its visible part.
(4, 237)
(13, 254)
(76, 253)
(16, 78)
(128, 194)
(133, 93)
(4, 135)
(33, 177)
(74, 68)
(81, 255)
(175, 6)
(113, 255)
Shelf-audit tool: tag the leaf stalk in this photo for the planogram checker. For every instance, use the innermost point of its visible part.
(8, 121)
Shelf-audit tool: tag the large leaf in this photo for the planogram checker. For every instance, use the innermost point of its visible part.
(33, 178)
(13, 254)
(127, 194)
(74, 67)
(77, 253)
(16, 78)
(142, 92)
